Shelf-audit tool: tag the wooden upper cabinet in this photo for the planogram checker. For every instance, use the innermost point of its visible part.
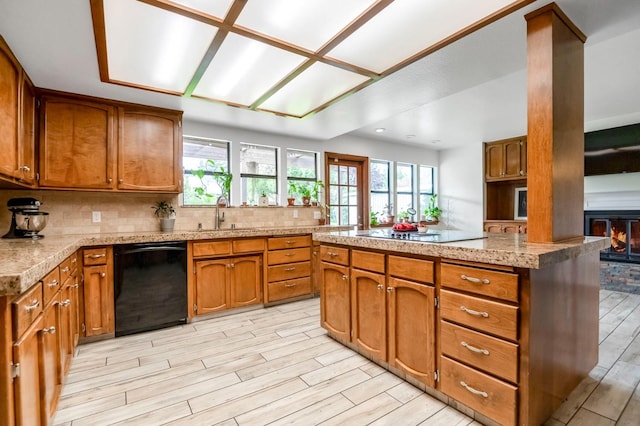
(506, 159)
(77, 144)
(17, 113)
(149, 150)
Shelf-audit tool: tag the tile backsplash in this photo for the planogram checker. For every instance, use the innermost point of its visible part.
(71, 212)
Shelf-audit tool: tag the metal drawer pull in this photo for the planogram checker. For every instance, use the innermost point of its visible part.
(50, 330)
(96, 256)
(380, 287)
(53, 283)
(66, 269)
(332, 254)
(475, 280)
(103, 274)
(472, 312)
(290, 285)
(345, 277)
(288, 254)
(289, 242)
(65, 303)
(34, 304)
(474, 391)
(474, 349)
(290, 269)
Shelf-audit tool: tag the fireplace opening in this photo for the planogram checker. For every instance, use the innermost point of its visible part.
(622, 227)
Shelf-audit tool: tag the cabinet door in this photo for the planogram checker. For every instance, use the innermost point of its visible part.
(212, 285)
(50, 358)
(77, 144)
(246, 281)
(493, 227)
(335, 300)
(9, 95)
(98, 301)
(26, 387)
(369, 313)
(65, 337)
(411, 316)
(27, 144)
(513, 159)
(494, 159)
(149, 150)
(511, 228)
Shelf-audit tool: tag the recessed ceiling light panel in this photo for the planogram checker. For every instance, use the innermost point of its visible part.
(218, 8)
(150, 47)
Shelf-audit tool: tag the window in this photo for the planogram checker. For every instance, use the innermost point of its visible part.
(380, 187)
(302, 168)
(204, 157)
(404, 186)
(425, 180)
(258, 172)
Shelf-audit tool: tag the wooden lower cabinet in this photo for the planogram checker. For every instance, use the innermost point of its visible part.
(98, 292)
(369, 313)
(335, 304)
(411, 317)
(26, 386)
(227, 283)
(50, 358)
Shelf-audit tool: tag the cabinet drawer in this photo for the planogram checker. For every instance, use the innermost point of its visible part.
(25, 309)
(68, 266)
(211, 248)
(95, 256)
(334, 255)
(291, 288)
(484, 352)
(288, 271)
(484, 315)
(288, 256)
(368, 261)
(248, 246)
(50, 285)
(411, 269)
(279, 243)
(501, 285)
(485, 394)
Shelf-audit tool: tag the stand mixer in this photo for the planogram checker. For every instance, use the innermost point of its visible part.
(26, 218)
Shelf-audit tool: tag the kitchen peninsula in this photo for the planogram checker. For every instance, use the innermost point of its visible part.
(503, 326)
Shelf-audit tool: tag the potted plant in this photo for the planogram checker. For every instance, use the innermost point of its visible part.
(373, 218)
(305, 194)
(293, 190)
(390, 217)
(315, 192)
(167, 214)
(263, 201)
(433, 212)
(223, 180)
(404, 216)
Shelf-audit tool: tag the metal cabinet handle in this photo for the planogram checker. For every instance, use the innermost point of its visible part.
(65, 303)
(474, 280)
(120, 180)
(290, 269)
(34, 304)
(474, 349)
(380, 287)
(103, 274)
(96, 256)
(288, 254)
(52, 283)
(289, 242)
(109, 180)
(50, 330)
(331, 254)
(475, 313)
(474, 391)
(345, 277)
(290, 285)
(389, 289)
(74, 260)
(66, 269)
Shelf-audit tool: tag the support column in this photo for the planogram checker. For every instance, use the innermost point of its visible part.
(555, 126)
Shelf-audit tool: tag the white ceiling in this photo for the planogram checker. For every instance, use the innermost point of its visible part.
(471, 91)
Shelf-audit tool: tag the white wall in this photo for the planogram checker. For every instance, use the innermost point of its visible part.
(462, 188)
(612, 192)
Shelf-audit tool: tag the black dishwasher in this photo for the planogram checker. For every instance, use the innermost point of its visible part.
(150, 286)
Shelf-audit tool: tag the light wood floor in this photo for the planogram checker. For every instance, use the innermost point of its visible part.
(277, 366)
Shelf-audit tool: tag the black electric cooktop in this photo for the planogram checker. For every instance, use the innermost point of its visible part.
(433, 236)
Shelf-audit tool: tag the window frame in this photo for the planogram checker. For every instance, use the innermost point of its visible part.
(273, 197)
(189, 172)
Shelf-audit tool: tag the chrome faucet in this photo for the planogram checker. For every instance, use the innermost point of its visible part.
(219, 219)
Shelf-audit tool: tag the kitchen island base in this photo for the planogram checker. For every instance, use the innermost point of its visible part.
(509, 343)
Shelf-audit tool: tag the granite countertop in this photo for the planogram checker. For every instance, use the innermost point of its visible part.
(497, 249)
(25, 261)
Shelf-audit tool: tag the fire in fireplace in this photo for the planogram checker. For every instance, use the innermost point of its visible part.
(623, 229)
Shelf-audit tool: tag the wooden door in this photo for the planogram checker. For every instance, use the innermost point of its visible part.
(212, 285)
(74, 296)
(493, 161)
(246, 281)
(347, 185)
(98, 301)
(26, 387)
(512, 159)
(369, 313)
(27, 145)
(50, 358)
(411, 316)
(65, 337)
(149, 150)
(9, 95)
(335, 300)
(77, 144)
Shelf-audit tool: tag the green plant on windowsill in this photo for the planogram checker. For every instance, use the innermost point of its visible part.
(316, 189)
(433, 212)
(373, 218)
(222, 178)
